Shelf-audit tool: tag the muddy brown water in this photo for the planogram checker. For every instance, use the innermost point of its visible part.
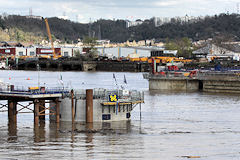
(173, 126)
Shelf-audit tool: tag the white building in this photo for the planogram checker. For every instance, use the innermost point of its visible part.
(212, 50)
(183, 19)
(67, 52)
(31, 51)
(133, 23)
(20, 51)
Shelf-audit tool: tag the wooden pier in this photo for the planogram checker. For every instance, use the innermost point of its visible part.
(38, 99)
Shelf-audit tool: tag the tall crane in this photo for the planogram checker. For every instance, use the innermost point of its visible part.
(50, 37)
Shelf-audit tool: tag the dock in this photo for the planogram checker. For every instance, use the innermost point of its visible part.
(207, 81)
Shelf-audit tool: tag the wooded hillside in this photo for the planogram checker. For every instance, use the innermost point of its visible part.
(21, 28)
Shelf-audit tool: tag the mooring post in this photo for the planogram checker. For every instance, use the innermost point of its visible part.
(36, 112)
(57, 110)
(12, 111)
(89, 105)
(73, 111)
(42, 110)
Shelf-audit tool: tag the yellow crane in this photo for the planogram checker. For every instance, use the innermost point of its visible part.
(50, 38)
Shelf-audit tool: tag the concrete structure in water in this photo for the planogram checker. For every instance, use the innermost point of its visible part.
(173, 84)
(207, 81)
(102, 108)
(98, 105)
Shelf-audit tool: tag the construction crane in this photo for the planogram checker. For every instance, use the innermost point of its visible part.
(50, 38)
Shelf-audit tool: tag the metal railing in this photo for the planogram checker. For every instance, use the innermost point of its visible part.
(103, 94)
(10, 89)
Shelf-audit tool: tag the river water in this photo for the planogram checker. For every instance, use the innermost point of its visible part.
(173, 125)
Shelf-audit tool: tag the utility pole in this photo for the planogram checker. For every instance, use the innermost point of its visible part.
(38, 68)
(99, 33)
(90, 29)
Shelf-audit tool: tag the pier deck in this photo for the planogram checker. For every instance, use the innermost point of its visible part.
(36, 98)
(28, 95)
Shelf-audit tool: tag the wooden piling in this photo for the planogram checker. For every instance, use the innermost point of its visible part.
(36, 111)
(12, 132)
(42, 110)
(36, 133)
(73, 111)
(12, 111)
(57, 110)
(89, 105)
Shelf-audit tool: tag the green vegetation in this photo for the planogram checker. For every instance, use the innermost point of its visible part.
(91, 42)
(183, 45)
(15, 34)
(77, 53)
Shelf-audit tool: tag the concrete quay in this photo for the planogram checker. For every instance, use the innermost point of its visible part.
(218, 82)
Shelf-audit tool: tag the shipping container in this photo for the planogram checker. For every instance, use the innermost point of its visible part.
(7, 51)
(47, 51)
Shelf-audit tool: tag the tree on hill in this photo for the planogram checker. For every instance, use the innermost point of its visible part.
(183, 46)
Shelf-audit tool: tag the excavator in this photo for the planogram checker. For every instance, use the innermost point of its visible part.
(54, 56)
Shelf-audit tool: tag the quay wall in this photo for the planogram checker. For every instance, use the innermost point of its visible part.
(78, 65)
(221, 86)
(173, 84)
(225, 83)
(122, 66)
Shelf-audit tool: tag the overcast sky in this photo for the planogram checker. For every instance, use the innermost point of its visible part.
(83, 10)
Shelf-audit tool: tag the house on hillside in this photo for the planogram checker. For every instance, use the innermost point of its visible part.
(213, 50)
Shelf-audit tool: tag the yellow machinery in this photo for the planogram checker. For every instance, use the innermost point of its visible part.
(169, 60)
(50, 38)
(162, 59)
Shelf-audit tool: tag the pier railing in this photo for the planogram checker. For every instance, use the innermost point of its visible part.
(103, 94)
(10, 89)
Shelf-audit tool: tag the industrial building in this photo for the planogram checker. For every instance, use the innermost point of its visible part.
(7, 50)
